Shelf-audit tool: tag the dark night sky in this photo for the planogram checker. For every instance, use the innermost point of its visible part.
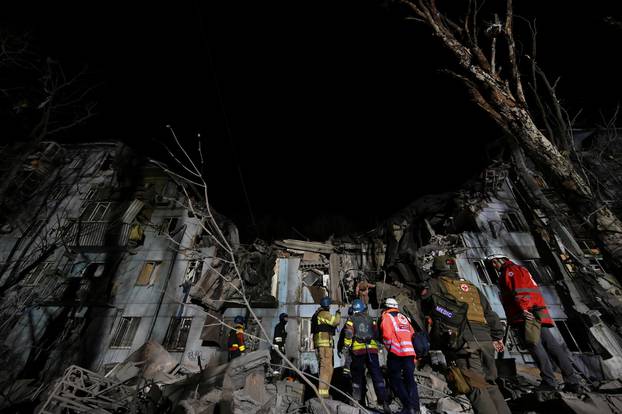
(335, 107)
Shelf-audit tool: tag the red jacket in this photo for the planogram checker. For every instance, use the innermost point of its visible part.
(520, 292)
(397, 333)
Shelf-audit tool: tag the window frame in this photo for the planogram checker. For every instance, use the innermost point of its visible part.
(150, 281)
(195, 277)
(41, 270)
(177, 333)
(512, 222)
(129, 325)
(165, 227)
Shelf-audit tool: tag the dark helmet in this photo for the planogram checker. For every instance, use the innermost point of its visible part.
(325, 302)
(358, 306)
(350, 311)
(239, 320)
(282, 317)
(445, 264)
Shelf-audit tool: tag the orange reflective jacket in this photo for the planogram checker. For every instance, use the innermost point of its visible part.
(397, 333)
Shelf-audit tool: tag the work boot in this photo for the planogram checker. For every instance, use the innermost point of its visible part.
(574, 388)
(546, 387)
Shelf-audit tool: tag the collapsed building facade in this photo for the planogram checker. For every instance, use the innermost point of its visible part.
(112, 257)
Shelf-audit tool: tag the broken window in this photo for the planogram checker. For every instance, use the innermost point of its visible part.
(177, 333)
(574, 336)
(168, 226)
(542, 274)
(147, 273)
(512, 222)
(482, 273)
(96, 211)
(34, 277)
(193, 271)
(492, 273)
(125, 332)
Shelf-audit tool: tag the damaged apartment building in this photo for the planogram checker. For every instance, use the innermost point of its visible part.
(108, 274)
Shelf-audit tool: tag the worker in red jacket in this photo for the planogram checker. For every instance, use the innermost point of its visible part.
(522, 300)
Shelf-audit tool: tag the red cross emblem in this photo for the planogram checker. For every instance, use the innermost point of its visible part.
(464, 287)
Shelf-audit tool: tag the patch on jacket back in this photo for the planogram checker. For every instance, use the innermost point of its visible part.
(444, 311)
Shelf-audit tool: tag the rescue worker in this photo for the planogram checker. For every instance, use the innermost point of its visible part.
(323, 326)
(522, 300)
(278, 342)
(362, 290)
(397, 334)
(361, 341)
(483, 334)
(235, 341)
(340, 345)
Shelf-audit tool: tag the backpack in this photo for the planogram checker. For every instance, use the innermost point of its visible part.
(449, 318)
(363, 328)
(314, 323)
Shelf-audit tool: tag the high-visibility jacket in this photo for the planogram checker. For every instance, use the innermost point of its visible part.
(520, 292)
(352, 337)
(326, 324)
(235, 342)
(397, 333)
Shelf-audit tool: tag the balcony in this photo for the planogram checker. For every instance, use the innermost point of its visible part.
(96, 234)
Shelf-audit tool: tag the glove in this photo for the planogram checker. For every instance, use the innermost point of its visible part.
(275, 347)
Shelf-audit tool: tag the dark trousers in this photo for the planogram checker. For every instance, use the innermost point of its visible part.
(357, 370)
(480, 358)
(548, 348)
(402, 380)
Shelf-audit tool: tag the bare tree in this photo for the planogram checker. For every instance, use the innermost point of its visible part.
(486, 63)
(190, 177)
(39, 98)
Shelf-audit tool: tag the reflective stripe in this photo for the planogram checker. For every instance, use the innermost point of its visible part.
(402, 347)
(242, 348)
(519, 290)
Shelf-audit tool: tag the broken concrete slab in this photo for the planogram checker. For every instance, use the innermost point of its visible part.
(454, 405)
(151, 360)
(314, 406)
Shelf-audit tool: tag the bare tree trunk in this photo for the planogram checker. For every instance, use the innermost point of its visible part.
(502, 97)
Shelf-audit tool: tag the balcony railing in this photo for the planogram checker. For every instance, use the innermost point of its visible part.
(97, 234)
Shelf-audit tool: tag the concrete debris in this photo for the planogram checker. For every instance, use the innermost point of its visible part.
(151, 361)
(458, 404)
(84, 391)
(314, 406)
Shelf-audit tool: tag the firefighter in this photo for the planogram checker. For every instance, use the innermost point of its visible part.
(361, 341)
(481, 335)
(235, 341)
(397, 334)
(340, 345)
(278, 342)
(523, 301)
(323, 326)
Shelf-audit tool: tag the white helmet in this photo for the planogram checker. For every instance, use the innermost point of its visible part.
(496, 256)
(390, 303)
